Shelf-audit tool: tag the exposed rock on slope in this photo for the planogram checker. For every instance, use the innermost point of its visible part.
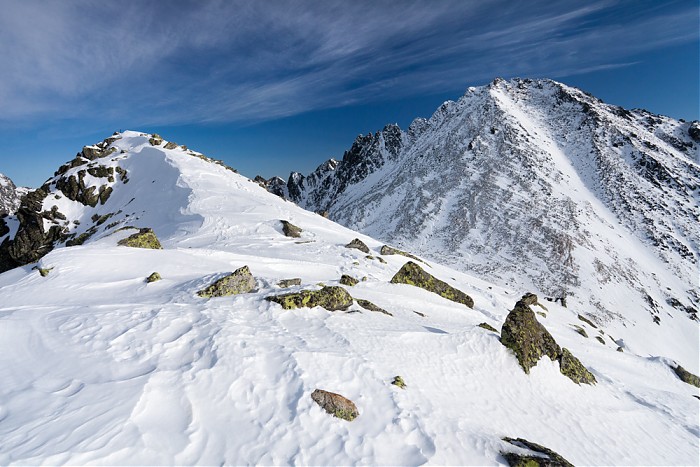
(530, 341)
(412, 274)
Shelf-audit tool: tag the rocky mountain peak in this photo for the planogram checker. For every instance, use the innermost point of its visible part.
(533, 182)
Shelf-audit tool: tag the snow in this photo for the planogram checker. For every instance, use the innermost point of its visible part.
(99, 367)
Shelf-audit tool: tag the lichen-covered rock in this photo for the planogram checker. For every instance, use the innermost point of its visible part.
(238, 282)
(581, 331)
(43, 272)
(284, 283)
(335, 404)
(153, 277)
(398, 381)
(291, 230)
(488, 327)
(529, 299)
(600, 339)
(331, 298)
(387, 250)
(348, 280)
(144, 238)
(587, 321)
(412, 274)
(367, 305)
(170, 145)
(525, 336)
(572, 368)
(686, 376)
(358, 245)
(544, 457)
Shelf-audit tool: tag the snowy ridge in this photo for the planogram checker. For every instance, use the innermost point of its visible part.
(537, 184)
(100, 367)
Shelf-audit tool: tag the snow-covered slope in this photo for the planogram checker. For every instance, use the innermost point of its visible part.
(535, 184)
(9, 195)
(97, 366)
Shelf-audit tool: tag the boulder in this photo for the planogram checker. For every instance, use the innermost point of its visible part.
(144, 238)
(291, 230)
(686, 376)
(335, 404)
(398, 381)
(284, 283)
(572, 368)
(529, 299)
(358, 245)
(530, 341)
(348, 280)
(367, 305)
(541, 457)
(525, 336)
(412, 274)
(154, 277)
(170, 145)
(238, 282)
(488, 327)
(387, 250)
(331, 298)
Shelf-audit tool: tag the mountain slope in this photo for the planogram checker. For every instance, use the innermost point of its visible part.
(537, 184)
(9, 195)
(99, 366)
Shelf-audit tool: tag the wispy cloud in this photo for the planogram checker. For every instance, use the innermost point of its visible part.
(191, 61)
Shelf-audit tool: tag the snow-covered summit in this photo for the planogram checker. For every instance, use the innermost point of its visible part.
(100, 366)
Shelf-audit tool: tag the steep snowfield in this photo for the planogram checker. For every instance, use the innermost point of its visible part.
(537, 185)
(99, 367)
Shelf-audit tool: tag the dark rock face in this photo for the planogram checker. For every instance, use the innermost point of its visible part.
(335, 404)
(238, 282)
(291, 230)
(332, 298)
(412, 274)
(530, 341)
(31, 242)
(544, 457)
(358, 245)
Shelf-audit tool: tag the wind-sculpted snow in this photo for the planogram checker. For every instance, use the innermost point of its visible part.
(537, 184)
(99, 366)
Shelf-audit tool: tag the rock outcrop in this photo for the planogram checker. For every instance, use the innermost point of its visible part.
(412, 274)
(530, 341)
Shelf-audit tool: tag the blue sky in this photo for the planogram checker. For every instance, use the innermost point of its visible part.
(272, 86)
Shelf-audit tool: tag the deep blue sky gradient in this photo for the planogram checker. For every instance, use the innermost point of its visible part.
(273, 86)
